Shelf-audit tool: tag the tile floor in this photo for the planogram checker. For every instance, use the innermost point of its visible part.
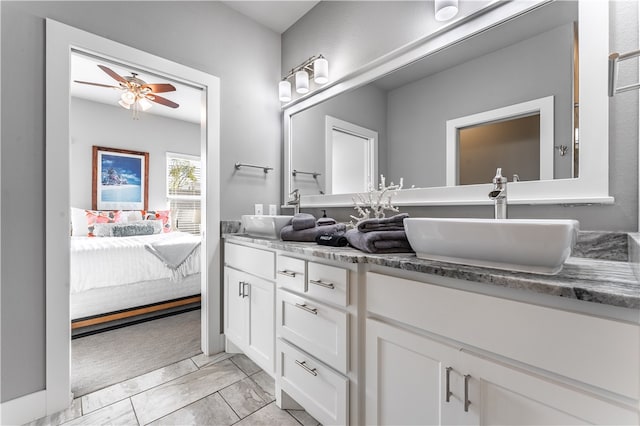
(222, 389)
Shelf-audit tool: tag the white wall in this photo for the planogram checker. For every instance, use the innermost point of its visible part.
(351, 34)
(99, 124)
(207, 36)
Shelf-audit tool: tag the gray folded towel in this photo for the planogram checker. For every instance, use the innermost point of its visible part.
(325, 221)
(379, 241)
(393, 223)
(309, 235)
(303, 221)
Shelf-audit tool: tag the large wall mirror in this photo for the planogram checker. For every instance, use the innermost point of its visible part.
(521, 86)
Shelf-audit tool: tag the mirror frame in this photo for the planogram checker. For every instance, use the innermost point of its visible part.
(591, 187)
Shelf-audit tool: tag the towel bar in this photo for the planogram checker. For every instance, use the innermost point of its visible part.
(264, 168)
(298, 172)
(614, 58)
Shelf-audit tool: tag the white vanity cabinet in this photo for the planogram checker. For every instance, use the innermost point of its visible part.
(498, 361)
(312, 329)
(249, 297)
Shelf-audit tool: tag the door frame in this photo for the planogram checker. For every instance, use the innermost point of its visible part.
(61, 39)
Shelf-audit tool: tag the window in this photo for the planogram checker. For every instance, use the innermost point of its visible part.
(183, 191)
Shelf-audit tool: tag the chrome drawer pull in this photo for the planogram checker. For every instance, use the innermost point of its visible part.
(466, 392)
(323, 284)
(307, 369)
(240, 288)
(244, 285)
(287, 273)
(304, 307)
(448, 392)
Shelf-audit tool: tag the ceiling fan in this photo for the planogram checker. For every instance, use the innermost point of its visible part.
(137, 93)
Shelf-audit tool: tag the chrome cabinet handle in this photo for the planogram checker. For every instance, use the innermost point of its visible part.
(240, 287)
(466, 392)
(243, 287)
(287, 273)
(303, 364)
(323, 284)
(448, 392)
(304, 307)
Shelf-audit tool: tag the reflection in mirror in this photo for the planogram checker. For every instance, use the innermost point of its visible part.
(351, 164)
(531, 57)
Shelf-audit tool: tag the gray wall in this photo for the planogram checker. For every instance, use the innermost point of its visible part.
(418, 112)
(365, 107)
(109, 126)
(204, 35)
(351, 34)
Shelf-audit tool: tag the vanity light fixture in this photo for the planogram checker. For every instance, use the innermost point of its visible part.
(316, 67)
(445, 9)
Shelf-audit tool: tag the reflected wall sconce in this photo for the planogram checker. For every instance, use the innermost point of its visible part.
(316, 67)
(445, 9)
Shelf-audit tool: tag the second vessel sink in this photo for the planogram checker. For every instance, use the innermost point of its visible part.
(526, 245)
(265, 226)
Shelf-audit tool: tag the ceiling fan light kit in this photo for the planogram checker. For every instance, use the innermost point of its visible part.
(136, 93)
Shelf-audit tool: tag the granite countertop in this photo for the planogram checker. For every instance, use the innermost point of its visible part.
(594, 280)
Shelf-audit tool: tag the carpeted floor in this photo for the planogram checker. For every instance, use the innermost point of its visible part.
(106, 358)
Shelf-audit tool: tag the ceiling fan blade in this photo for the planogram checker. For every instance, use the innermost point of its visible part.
(160, 87)
(163, 101)
(113, 74)
(95, 84)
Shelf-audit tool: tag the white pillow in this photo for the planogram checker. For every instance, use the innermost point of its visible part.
(79, 222)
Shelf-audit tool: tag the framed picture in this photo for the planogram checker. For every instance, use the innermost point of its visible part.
(120, 179)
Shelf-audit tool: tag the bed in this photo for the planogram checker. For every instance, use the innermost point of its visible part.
(118, 279)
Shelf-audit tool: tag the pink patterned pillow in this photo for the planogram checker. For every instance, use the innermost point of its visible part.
(163, 215)
(100, 216)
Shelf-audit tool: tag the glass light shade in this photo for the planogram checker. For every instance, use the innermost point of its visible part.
(284, 91)
(321, 71)
(446, 9)
(124, 104)
(128, 98)
(302, 82)
(145, 104)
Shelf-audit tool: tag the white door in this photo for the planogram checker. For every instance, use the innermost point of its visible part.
(500, 394)
(261, 333)
(235, 309)
(406, 379)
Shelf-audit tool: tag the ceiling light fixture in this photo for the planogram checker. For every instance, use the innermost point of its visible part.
(316, 67)
(445, 9)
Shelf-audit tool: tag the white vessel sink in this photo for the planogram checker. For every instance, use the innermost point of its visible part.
(525, 245)
(265, 226)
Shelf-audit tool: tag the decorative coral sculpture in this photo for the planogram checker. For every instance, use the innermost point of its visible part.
(374, 203)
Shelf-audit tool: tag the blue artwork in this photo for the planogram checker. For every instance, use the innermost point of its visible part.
(121, 178)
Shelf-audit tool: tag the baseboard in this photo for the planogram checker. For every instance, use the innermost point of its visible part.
(24, 409)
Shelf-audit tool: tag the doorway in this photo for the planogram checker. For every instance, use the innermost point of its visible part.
(61, 41)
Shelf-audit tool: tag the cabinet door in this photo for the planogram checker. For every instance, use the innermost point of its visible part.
(261, 333)
(406, 379)
(501, 394)
(235, 307)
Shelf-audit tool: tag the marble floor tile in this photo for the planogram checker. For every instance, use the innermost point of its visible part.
(120, 413)
(201, 360)
(268, 416)
(74, 411)
(304, 418)
(245, 397)
(267, 383)
(245, 364)
(212, 410)
(122, 390)
(157, 402)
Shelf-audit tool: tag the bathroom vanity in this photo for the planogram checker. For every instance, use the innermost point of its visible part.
(391, 339)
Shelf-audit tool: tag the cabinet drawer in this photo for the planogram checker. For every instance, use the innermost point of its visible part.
(320, 390)
(328, 283)
(254, 261)
(314, 327)
(291, 273)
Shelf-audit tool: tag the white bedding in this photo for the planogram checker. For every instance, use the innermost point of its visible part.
(110, 261)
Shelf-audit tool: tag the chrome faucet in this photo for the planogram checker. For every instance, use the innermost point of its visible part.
(295, 202)
(499, 194)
